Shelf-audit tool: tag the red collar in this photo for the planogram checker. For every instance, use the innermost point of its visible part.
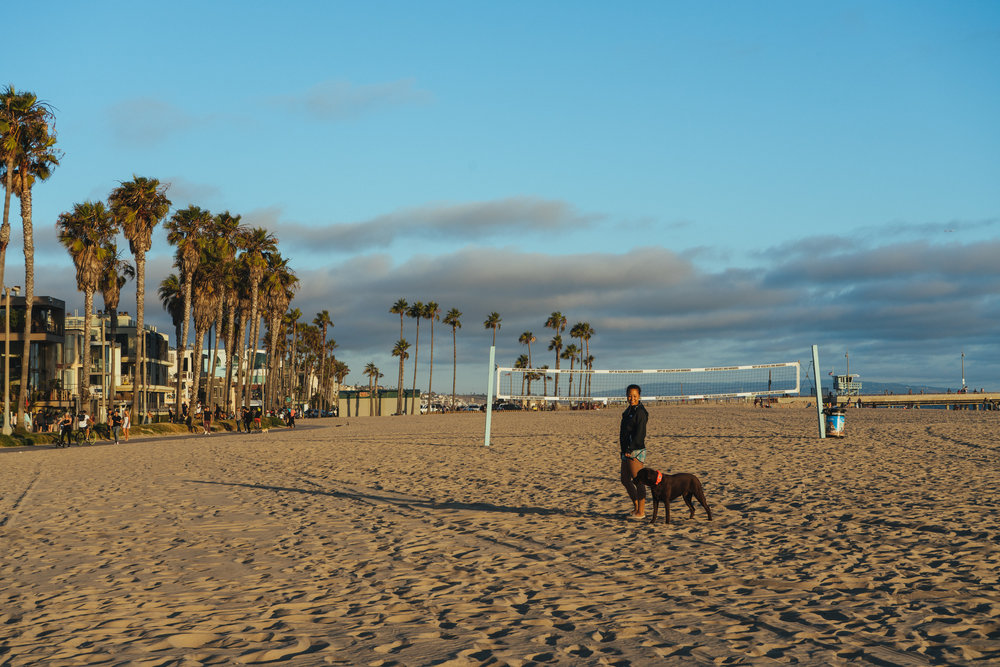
(659, 476)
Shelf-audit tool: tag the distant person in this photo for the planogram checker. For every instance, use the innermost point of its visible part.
(116, 425)
(65, 429)
(126, 423)
(632, 441)
(206, 421)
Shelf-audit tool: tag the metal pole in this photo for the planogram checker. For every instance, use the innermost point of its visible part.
(819, 392)
(489, 395)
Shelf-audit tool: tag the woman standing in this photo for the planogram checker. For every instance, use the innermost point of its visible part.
(632, 439)
(126, 423)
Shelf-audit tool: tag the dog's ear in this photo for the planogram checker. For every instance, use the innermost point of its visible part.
(642, 476)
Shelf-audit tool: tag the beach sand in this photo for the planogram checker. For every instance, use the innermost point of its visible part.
(405, 541)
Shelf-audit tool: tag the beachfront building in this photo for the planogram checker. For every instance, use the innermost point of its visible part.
(43, 375)
(104, 379)
(155, 368)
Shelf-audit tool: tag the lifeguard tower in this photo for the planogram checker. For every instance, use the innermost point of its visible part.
(847, 385)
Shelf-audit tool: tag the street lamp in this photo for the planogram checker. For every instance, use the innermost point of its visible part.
(6, 361)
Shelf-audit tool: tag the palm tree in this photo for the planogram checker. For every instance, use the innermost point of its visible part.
(527, 338)
(453, 319)
(556, 322)
(227, 233)
(522, 363)
(292, 322)
(586, 333)
(400, 308)
(556, 344)
(257, 243)
(570, 353)
(373, 374)
(322, 320)
(493, 322)
(416, 311)
(432, 311)
(400, 350)
(28, 150)
(187, 230)
(21, 115)
(171, 293)
(545, 379)
(114, 273)
(280, 288)
(340, 372)
(85, 233)
(138, 206)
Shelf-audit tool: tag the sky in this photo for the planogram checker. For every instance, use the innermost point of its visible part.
(705, 183)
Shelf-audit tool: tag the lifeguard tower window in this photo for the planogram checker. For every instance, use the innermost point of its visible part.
(846, 385)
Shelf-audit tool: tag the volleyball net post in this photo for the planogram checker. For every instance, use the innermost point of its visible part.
(819, 392)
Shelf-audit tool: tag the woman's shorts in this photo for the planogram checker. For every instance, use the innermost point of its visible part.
(637, 454)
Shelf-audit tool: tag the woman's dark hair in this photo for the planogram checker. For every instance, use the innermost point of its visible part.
(631, 387)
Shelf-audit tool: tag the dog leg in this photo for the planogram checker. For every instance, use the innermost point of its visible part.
(699, 493)
(687, 501)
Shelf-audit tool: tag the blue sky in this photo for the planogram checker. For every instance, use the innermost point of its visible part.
(705, 183)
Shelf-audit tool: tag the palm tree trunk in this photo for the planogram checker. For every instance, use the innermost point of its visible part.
(29, 297)
(454, 365)
(240, 333)
(140, 305)
(231, 356)
(272, 371)
(182, 343)
(5, 226)
(196, 353)
(215, 349)
(415, 409)
(430, 376)
(84, 382)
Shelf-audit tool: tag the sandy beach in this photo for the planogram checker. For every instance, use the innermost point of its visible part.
(404, 541)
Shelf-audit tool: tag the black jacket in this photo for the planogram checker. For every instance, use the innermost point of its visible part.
(632, 435)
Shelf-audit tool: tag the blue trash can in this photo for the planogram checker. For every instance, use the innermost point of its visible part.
(834, 422)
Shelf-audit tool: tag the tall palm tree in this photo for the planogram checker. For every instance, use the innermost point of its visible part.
(416, 311)
(21, 114)
(373, 374)
(400, 308)
(322, 320)
(171, 293)
(493, 322)
(85, 233)
(556, 322)
(527, 338)
(257, 244)
(556, 344)
(281, 284)
(292, 318)
(227, 232)
(138, 206)
(187, 231)
(453, 319)
(340, 372)
(114, 273)
(522, 362)
(400, 350)
(570, 352)
(432, 312)
(586, 333)
(28, 149)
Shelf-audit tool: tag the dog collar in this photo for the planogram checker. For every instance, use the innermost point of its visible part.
(659, 476)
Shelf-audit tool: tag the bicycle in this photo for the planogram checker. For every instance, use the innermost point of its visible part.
(80, 437)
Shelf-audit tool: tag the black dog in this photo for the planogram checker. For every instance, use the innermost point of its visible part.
(667, 487)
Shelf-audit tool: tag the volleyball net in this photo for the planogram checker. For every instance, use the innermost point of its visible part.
(674, 384)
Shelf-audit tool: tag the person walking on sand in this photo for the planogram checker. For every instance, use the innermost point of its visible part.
(206, 421)
(126, 423)
(632, 440)
(116, 425)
